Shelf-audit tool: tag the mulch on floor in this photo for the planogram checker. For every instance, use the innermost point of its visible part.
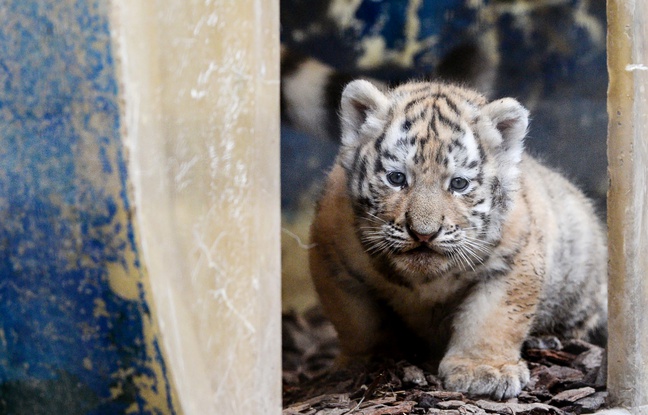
(566, 378)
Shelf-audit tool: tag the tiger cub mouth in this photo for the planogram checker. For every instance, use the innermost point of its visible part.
(422, 249)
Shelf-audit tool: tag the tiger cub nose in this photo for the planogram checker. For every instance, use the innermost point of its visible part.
(423, 237)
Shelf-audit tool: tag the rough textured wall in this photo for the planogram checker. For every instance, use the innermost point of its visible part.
(77, 334)
(202, 122)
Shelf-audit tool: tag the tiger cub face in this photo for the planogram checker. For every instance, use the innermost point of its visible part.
(431, 169)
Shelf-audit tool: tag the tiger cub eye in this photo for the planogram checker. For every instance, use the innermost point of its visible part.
(396, 178)
(458, 184)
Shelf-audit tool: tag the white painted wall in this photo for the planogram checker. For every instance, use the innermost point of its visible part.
(201, 101)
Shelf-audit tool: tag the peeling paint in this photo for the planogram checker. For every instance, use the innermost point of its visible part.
(636, 67)
(76, 333)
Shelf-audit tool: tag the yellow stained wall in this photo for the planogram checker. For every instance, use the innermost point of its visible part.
(201, 119)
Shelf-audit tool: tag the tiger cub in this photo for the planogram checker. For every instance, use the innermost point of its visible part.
(436, 232)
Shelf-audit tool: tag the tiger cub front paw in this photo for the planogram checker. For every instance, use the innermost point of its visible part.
(497, 380)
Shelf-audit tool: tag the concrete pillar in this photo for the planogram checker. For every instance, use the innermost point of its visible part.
(201, 99)
(139, 206)
(628, 204)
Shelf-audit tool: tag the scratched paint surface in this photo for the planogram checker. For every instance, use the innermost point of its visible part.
(77, 335)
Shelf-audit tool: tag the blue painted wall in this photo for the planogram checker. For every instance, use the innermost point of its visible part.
(76, 331)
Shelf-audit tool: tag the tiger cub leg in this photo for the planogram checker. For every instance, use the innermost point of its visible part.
(349, 306)
(483, 357)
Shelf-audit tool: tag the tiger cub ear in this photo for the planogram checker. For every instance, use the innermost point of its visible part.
(361, 102)
(511, 120)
